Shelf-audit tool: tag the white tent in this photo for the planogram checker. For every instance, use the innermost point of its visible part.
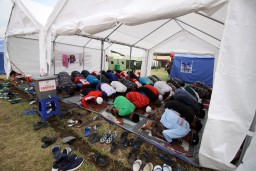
(90, 27)
(167, 22)
(24, 38)
(127, 23)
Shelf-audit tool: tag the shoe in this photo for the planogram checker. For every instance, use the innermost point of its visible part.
(99, 159)
(63, 161)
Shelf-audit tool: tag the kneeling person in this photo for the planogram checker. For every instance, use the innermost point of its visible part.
(123, 107)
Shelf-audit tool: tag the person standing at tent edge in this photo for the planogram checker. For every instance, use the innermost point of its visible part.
(169, 67)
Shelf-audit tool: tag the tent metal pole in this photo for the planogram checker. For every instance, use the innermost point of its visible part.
(130, 62)
(112, 41)
(101, 60)
(152, 31)
(53, 49)
(112, 32)
(147, 56)
(201, 39)
(165, 39)
(87, 42)
(248, 140)
(109, 46)
(197, 29)
(213, 19)
(179, 25)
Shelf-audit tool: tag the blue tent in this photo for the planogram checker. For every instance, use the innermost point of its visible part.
(192, 68)
(2, 56)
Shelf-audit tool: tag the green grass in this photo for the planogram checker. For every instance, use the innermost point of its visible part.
(161, 72)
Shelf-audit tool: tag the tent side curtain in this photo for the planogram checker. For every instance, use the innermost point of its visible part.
(233, 100)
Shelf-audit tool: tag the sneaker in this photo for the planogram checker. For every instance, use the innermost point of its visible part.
(75, 165)
(63, 162)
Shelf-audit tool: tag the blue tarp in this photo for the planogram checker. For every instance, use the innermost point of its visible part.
(192, 68)
(2, 56)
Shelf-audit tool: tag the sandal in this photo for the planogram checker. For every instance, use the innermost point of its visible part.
(105, 136)
(136, 165)
(49, 142)
(40, 125)
(166, 159)
(87, 131)
(148, 167)
(132, 156)
(97, 126)
(29, 112)
(123, 139)
(99, 159)
(80, 123)
(111, 137)
(68, 139)
(113, 146)
(14, 101)
(72, 122)
(166, 167)
(158, 168)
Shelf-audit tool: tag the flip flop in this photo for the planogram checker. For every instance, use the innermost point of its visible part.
(67, 150)
(40, 125)
(166, 159)
(148, 167)
(99, 159)
(50, 142)
(29, 112)
(96, 139)
(95, 118)
(132, 157)
(166, 167)
(158, 168)
(113, 147)
(111, 137)
(56, 151)
(87, 131)
(136, 165)
(97, 126)
(105, 136)
(72, 122)
(68, 139)
(80, 123)
(123, 139)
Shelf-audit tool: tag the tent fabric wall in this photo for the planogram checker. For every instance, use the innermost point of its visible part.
(24, 54)
(2, 56)
(233, 101)
(192, 68)
(83, 61)
(28, 18)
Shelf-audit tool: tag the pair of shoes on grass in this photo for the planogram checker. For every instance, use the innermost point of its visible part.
(64, 161)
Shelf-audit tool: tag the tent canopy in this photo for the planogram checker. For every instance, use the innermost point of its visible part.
(127, 23)
(167, 26)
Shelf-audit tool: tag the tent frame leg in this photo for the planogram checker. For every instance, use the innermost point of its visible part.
(248, 140)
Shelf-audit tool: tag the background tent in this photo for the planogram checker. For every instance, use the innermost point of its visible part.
(192, 68)
(2, 56)
(24, 38)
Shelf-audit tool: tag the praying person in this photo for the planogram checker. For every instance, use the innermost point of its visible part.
(118, 86)
(138, 99)
(94, 96)
(169, 126)
(106, 89)
(124, 108)
(164, 89)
